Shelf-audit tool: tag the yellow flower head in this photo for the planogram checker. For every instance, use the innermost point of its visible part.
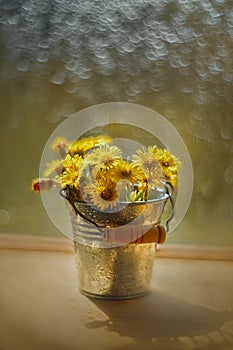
(125, 170)
(103, 157)
(152, 149)
(103, 193)
(81, 146)
(39, 185)
(60, 146)
(170, 164)
(146, 159)
(153, 171)
(69, 178)
(70, 173)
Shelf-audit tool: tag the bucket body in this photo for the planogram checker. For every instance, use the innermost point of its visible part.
(109, 269)
(122, 272)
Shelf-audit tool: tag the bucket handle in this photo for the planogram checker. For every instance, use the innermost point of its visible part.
(64, 195)
(169, 191)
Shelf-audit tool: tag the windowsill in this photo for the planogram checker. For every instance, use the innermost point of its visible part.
(174, 251)
(189, 305)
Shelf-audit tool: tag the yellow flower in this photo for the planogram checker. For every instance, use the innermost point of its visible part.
(69, 178)
(153, 172)
(170, 165)
(103, 193)
(81, 146)
(55, 166)
(72, 162)
(103, 157)
(146, 159)
(39, 185)
(60, 146)
(70, 173)
(125, 170)
(152, 149)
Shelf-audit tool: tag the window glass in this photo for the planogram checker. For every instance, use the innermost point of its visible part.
(58, 57)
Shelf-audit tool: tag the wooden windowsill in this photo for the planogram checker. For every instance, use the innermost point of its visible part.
(174, 251)
(189, 305)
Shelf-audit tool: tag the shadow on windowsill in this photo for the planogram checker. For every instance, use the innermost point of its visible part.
(160, 316)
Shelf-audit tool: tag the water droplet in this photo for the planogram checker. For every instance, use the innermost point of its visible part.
(200, 133)
(171, 38)
(54, 117)
(4, 217)
(228, 175)
(156, 85)
(58, 78)
(203, 73)
(44, 7)
(215, 67)
(28, 6)
(23, 65)
(226, 132)
(231, 210)
(42, 56)
(202, 42)
(184, 61)
(44, 44)
(67, 110)
(71, 65)
(14, 19)
(131, 92)
(134, 39)
(85, 74)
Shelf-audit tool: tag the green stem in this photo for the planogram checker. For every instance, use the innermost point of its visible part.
(138, 196)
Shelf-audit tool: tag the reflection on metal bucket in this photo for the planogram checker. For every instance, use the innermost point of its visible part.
(115, 271)
(132, 219)
(124, 212)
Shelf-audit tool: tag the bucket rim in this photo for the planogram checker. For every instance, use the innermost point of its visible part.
(135, 203)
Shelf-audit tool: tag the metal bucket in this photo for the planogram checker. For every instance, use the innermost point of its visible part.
(115, 271)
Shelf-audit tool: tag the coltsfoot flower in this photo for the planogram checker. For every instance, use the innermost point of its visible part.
(92, 169)
(60, 146)
(70, 174)
(103, 157)
(170, 165)
(102, 193)
(126, 170)
(46, 184)
(146, 159)
(81, 146)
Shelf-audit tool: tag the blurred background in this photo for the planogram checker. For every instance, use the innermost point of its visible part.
(176, 57)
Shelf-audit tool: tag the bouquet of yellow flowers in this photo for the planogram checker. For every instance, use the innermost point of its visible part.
(93, 170)
(92, 173)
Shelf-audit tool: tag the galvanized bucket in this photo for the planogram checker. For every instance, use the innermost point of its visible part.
(108, 268)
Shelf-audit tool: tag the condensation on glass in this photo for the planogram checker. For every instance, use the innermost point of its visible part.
(172, 56)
